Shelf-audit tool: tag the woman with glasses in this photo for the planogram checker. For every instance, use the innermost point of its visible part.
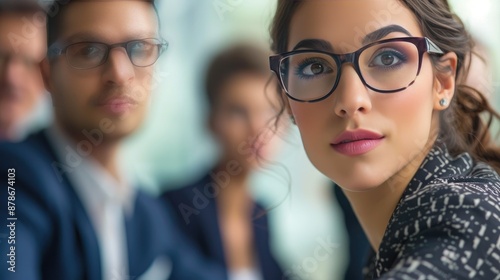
(372, 86)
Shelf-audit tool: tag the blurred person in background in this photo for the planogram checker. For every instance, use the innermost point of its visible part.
(78, 215)
(217, 211)
(22, 48)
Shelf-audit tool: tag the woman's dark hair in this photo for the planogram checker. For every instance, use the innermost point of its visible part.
(465, 125)
(235, 60)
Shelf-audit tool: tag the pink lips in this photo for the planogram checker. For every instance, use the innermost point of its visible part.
(357, 142)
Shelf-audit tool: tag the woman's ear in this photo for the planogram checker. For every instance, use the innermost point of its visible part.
(444, 81)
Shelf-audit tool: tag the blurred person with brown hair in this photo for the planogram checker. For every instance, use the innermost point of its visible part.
(217, 211)
(22, 48)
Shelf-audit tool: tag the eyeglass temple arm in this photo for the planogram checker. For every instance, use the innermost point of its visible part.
(163, 46)
(432, 48)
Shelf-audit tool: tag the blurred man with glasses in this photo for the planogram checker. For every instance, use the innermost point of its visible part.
(22, 47)
(77, 215)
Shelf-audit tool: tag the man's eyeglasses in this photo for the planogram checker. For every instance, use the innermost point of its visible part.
(88, 55)
(385, 66)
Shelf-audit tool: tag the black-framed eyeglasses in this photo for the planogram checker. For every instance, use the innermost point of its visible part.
(88, 55)
(385, 66)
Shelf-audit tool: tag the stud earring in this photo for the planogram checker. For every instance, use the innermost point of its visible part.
(443, 102)
(292, 118)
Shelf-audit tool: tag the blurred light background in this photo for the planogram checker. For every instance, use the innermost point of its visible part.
(174, 145)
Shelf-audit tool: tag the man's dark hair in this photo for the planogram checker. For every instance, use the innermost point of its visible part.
(55, 8)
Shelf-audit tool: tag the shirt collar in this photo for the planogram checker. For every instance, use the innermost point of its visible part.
(439, 164)
(91, 181)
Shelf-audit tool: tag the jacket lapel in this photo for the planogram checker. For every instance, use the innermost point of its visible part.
(86, 238)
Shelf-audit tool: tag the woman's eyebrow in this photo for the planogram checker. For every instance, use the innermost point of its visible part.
(315, 44)
(323, 45)
(382, 32)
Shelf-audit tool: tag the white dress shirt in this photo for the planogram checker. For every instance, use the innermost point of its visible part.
(245, 274)
(105, 199)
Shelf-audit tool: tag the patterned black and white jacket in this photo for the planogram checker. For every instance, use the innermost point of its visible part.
(446, 224)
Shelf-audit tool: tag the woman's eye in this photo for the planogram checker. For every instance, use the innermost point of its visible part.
(387, 59)
(313, 68)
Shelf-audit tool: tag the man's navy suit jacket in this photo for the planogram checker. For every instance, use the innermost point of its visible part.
(54, 238)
